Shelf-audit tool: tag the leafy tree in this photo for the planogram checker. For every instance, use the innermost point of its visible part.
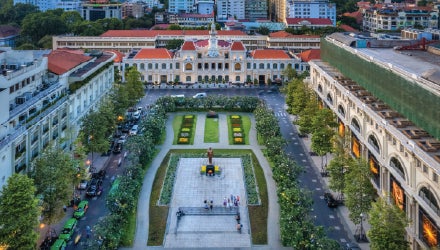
(338, 165)
(94, 134)
(71, 18)
(306, 115)
(263, 30)
(139, 23)
(290, 72)
(37, 25)
(27, 46)
(18, 213)
(300, 97)
(388, 224)
(110, 24)
(45, 42)
(174, 43)
(358, 189)
(174, 27)
(87, 28)
(134, 86)
(14, 14)
(54, 177)
(141, 148)
(322, 143)
(108, 115)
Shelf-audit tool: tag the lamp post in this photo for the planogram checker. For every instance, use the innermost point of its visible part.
(361, 236)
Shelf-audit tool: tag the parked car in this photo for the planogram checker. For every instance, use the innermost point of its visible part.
(351, 246)
(136, 115)
(95, 188)
(68, 229)
(83, 185)
(81, 210)
(59, 244)
(122, 139)
(133, 130)
(100, 175)
(212, 114)
(117, 148)
(200, 95)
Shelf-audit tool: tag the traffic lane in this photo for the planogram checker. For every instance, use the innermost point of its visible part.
(310, 179)
(97, 205)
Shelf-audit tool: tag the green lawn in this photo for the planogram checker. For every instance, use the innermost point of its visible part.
(246, 123)
(257, 214)
(211, 130)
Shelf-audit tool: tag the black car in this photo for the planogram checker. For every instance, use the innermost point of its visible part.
(117, 148)
(95, 188)
(351, 246)
(330, 199)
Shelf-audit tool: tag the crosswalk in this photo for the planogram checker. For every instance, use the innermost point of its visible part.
(280, 114)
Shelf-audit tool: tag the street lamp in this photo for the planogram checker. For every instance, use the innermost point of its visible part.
(361, 236)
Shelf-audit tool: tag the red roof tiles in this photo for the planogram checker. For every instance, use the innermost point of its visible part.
(348, 28)
(154, 54)
(237, 46)
(313, 21)
(119, 55)
(269, 54)
(7, 31)
(153, 33)
(284, 34)
(188, 45)
(310, 54)
(356, 15)
(61, 61)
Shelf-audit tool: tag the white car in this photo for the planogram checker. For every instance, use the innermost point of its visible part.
(200, 95)
(122, 139)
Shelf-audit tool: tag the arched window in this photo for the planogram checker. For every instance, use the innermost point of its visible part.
(164, 66)
(134, 65)
(226, 78)
(142, 66)
(429, 197)
(341, 110)
(237, 78)
(329, 99)
(199, 78)
(188, 79)
(397, 166)
(355, 124)
(274, 66)
(206, 78)
(220, 78)
(188, 66)
(282, 66)
(261, 66)
(237, 66)
(374, 143)
(320, 88)
(150, 66)
(213, 78)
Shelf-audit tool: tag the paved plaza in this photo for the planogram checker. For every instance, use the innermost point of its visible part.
(191, 189)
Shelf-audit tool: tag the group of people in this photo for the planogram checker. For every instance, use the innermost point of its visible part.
(208, 204)
(232, 201)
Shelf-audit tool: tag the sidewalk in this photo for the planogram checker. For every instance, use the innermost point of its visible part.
(99, 162)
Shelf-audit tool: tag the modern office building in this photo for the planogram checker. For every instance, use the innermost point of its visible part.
(388, 102)
(191, 20)
(230, 9)
(205, 6)
(133, 9)
(181, 6)
(255, 10)
(210, 60)
(94, 10)
(278, 10)
(128, 40)
(312, 9)
(43, 100)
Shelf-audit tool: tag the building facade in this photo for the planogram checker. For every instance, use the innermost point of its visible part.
(95, 11)
(128, 40)
(390, 17)
(43, 5)
(255, 10)
(230, 9)
(312, 9)
(210, 60)
(205, 6)
(134, 9)
(181, 6)
(381, 113)
(38, 110)
(191, 20)
(278, 10)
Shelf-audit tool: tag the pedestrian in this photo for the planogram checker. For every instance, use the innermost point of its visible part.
(64, 208)
(238, 199)
(210, 206)
(225, 201)
(119, 162)
(232, 198)
(125, 154)
(88, 231)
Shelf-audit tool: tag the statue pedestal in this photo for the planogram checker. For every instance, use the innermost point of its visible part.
(210, 170)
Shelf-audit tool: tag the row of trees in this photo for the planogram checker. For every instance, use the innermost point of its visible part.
(296, 225)
(349, 176)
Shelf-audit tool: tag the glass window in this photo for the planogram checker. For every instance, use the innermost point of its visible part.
(237, 78)
(188, 79)
(274, 66)
(177, 65)
(150, 66)
(261, 66)
(164, 66)
(142, 66)
(248, 65)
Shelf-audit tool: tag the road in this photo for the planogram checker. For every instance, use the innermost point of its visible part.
(311, 178)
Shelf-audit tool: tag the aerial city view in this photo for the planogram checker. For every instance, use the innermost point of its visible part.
(220, 124)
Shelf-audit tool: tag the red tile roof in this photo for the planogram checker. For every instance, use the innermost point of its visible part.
(61, 61)
(220, 43)
(161, 26)
(348, 28)
(119, 55)
(313, 21)
(269, 54)
(188, 45)
(237, 46)
(153, 33)
(310, 54)
(284, 34)
(356, 15)
(154, 54)
(7, 31)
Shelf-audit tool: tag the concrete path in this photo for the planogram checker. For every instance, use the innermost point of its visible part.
(141, 237)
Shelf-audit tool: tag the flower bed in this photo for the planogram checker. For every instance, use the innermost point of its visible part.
(237, 129)
(185, 129)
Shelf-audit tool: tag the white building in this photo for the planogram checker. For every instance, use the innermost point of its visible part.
(230, 8)
(37, 109)
(43, 5)
(205, 6)
(210, 61)
(388, 102)
(181, 6)
(311, 9)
